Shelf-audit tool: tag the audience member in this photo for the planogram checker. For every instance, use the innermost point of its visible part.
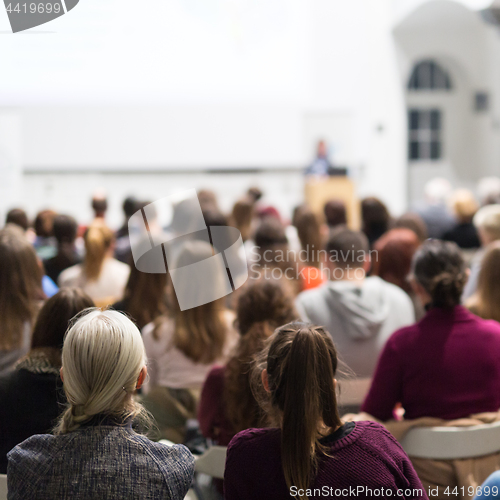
(375, 218)
(242, 217)
(488, 190)
(30, 394)
(21, 295)
(446, 365)
(392, 262)
(487, 223)
(464, 234)
(99, 204)
(414, 222)
(65, 228)
(486, 301)
(130, 206)
(145, 297)
(227, 404)
(359, 312)
(44, 243)
(434, 210)
(311, 448)
(100, 275)
(335, 213)
(184, 345)
(95, 453)
(18, 217)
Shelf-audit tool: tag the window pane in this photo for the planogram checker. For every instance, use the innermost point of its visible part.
(435, 150)
(414, 151)
(414, 119)
(435, 119)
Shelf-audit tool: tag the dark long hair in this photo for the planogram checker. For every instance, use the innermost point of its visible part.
(261, 308)
(440, 268)
(301, 366)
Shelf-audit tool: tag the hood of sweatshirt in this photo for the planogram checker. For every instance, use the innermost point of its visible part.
(362, 307)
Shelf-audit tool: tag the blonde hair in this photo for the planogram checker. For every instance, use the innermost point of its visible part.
(102, 357)
(464, 205)
(98, 239)
(487, 219)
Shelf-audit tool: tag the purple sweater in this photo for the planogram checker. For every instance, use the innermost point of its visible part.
(368, 457)
(446, 366)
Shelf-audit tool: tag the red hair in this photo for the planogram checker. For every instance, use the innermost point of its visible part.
(395, 251)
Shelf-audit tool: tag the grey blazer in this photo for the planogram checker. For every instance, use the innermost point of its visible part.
(98, 463)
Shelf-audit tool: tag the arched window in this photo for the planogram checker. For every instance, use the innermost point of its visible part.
(428, 75)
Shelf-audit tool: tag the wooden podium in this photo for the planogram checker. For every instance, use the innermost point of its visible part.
(317, 191)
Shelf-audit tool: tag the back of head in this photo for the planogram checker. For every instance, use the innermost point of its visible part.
(208, 200)
(55, 316)
(347, 248)
(464, 205)
(487, 222)
(44, 223)
(335, 213)
(255, 194)
(20, 285)
(414, 222)
(102, 357)
(394, 253)
(375, 217)
(99, 203)
(438, 266)
(130, 206)
(437, 190)
(242, 216)
(309, 233)
(270, 232)
(301, 366)
(18, 217)
(488, 190)
(262, 306)
(98, 240)
(65, 229)
(487, 300)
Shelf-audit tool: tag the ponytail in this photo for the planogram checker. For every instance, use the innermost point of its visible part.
(301, 366)
(98, 239)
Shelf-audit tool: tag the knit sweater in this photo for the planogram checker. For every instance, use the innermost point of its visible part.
(368, 458)
(445, 366)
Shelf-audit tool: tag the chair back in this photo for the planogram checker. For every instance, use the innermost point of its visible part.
(3, 487)
(212, 462)
(452, 443)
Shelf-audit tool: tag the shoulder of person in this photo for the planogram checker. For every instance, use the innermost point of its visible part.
(176, 453)
(375, 436)
(34, 448)
(164, 326)
(254, 438)
(69, 274)
(311, 296)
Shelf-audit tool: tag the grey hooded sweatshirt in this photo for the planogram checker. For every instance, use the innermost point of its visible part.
(360, 317)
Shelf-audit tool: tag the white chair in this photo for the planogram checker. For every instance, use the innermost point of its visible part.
(3, 487)
(353, 391)
(212, 462)
(452, 443)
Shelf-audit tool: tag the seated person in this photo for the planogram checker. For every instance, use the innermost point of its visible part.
(31, 394)
(310, 447)
(95, 453)
(359, 312)
(446, 365)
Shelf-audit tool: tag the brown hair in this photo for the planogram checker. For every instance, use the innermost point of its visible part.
(44, 223)
(309, 232)
(394, 251)
(301, 366)
(18, 217)
(262, 307)
(20, 286)
(375, 218)
(486, 301)
(200, 332)
(335, 213)
(145, 294)
(440, 268)
(347, 248)
(54, 317)
(98, 240)
(242, 216)
(413, 222)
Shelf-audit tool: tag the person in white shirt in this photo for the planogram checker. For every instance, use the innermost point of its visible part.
(101, 276)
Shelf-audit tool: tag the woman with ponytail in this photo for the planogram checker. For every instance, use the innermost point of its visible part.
(312, 452)
(446, 365)
(95, 453)
(101, 276)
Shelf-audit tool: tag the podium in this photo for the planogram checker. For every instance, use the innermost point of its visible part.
(317, 191)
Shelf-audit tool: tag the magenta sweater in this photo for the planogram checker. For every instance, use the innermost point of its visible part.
(446, 366)
(369, 458)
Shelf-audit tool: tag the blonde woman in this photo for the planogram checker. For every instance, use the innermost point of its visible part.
(95, 453)
(101, 276)
(21, 295)
(182, 347)
(486, 301)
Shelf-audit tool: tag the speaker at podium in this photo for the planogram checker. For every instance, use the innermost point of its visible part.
(319, 190)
